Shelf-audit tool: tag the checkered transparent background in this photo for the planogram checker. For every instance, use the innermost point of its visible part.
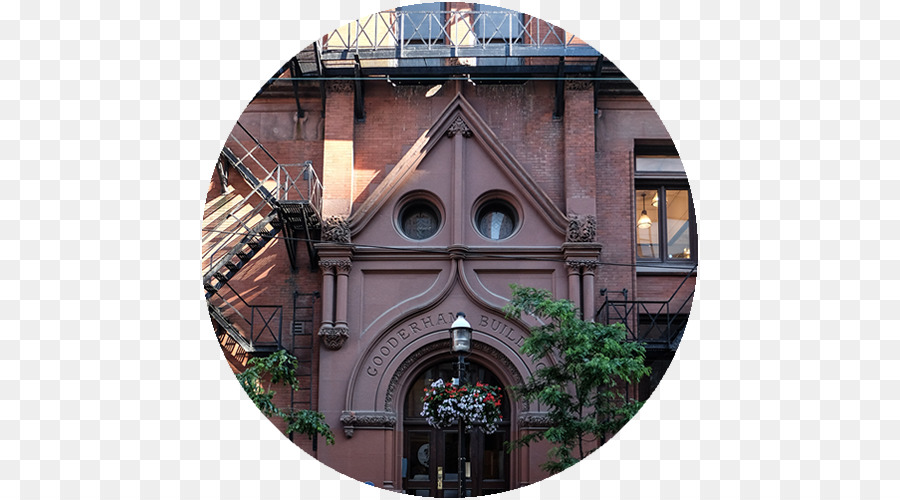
(111, 117)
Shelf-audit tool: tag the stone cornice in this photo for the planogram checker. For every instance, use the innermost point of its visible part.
(353, 420)
(534, 419)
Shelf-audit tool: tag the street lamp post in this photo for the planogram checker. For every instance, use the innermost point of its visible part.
(461, 343)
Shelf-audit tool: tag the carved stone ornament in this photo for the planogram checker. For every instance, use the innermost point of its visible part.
(334, 336)
(582, 229)
(459, 126)
(579, 85)
(353, 420)
(336, 229)
(534, 419)
(582, 264)
(342, 265)
(340, 86)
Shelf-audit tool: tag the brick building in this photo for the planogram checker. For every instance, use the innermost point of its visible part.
(414, 164)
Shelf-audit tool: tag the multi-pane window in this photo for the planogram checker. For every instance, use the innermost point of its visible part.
(665, 227)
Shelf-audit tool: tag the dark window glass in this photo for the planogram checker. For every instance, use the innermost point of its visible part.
(419, 220)
(496, 220)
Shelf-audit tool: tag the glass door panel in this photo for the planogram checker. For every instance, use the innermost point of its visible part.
(418, 470)
(451, 465)
(430, 462)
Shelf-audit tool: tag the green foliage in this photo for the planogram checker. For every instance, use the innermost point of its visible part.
(280, 368)
(309, 423)
(583, 393)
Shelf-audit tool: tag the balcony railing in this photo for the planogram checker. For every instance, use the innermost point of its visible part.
(292, 182)
(262, 330)
(434, 34)
(278, 185)
(656, 323)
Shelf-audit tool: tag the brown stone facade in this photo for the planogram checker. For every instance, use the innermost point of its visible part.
(385, 295)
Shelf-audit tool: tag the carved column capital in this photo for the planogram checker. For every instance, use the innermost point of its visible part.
(339, 265)
(333, 337)
(573, 265)
(582, 264)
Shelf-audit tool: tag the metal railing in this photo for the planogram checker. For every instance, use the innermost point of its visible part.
(653, 322)
(292, 181)
(232, 235)
(410, 33)
(264, 324)
(287, 183)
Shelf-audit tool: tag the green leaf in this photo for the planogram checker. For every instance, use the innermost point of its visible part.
(280, 368)
(583, 393)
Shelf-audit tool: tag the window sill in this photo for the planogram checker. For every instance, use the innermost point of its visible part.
(651, 269)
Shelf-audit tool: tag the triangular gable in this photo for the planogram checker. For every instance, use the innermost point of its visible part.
(478, 130)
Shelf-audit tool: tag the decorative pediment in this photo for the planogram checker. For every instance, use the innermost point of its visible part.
(484, 155)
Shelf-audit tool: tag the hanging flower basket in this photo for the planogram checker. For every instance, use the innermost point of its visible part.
(477, 405)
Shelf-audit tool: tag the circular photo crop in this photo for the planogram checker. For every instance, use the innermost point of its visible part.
(449, 249)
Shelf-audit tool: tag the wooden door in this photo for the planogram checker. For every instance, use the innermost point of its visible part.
(429, 462)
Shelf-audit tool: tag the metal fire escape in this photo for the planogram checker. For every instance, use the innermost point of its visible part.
(423, 45)
(658, 324)
(288, 200)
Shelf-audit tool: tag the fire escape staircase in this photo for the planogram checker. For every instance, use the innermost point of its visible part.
(658, 324)
(285, 209)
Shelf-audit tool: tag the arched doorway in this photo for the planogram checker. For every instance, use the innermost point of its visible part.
(429, 467)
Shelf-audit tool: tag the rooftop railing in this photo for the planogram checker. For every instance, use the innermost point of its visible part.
(426, 34)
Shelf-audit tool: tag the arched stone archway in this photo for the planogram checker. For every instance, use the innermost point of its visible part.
(429, 465)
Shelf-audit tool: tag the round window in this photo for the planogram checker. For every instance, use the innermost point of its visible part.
(496, 220)
(419, 220)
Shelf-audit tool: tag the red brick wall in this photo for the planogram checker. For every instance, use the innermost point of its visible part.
(520, 116)
(580, 169)
(339, 147)
(268, 278)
